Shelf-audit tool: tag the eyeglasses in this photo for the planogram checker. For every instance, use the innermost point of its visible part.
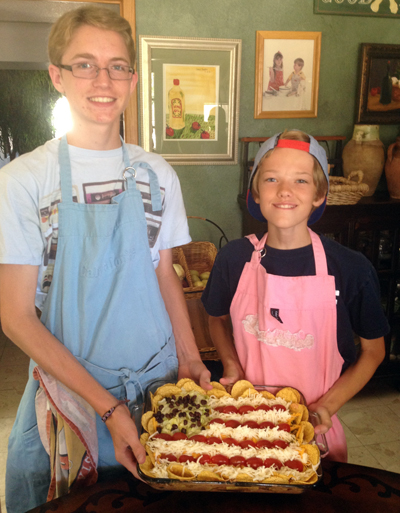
(90, 71)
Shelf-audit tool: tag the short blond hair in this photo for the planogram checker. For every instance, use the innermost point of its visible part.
(318, 175)
(100, 17)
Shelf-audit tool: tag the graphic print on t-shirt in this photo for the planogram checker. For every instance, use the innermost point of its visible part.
(102, 192)
(93, 193)
(48, 208)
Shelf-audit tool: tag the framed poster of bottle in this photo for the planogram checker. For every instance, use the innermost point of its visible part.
(378, 99)
(189, 98)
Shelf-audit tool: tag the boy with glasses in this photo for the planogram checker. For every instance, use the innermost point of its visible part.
(87, 227)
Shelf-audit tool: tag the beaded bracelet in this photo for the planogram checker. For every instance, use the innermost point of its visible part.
(111, 410)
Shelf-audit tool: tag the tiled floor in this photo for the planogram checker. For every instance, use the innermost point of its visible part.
(371, 419)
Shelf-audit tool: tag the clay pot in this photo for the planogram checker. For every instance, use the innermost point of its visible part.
(365, 152)
(392, 169)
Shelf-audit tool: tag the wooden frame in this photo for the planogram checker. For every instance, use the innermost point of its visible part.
(208, 73)
(378, 103)
(127, 10)
(277, 95)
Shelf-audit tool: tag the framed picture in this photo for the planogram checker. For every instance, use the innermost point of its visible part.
(379, 85)
(189, 98)
(376, 8)
(287, 74)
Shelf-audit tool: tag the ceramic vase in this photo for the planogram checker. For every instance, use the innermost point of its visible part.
(365, 152)
(392, 169)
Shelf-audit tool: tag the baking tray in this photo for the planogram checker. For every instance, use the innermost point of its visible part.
(236, 486)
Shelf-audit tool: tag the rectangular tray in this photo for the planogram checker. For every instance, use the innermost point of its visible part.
(219, 486)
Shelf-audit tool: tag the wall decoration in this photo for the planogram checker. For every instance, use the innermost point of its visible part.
(189, 98)
(379, 85)
(287, 74)
(376, 8)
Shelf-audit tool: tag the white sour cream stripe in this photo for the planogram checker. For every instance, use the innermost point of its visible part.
(243, 432)
(276, 417)
(254, 400)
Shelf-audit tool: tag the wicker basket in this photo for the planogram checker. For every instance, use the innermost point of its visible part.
(345, 191)
(195, 255)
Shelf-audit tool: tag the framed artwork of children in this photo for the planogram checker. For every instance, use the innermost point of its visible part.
(189, 98)
(287, 74)
(379, 85)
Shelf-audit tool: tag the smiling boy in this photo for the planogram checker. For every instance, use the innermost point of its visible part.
(283, 305)
(97, 220)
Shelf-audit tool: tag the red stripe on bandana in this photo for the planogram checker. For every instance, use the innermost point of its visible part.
(295, 145)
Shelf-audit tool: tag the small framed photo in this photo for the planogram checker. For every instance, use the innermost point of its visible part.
(379, 85)
(287, 74)
(189, 98)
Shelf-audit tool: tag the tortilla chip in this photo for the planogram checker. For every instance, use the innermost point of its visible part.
(306, 414)
(192, 386)
(313, 453)
(147, 467)
(298, 411)
(152, 426)
(155, 400)
(182, 381)
(289, 394)
(240, 387)
(217, 393)
(177, 471)
(249, 391)
(143, 438)
(151, 455)
(308, 479)
(277, 478)
(308, 431)
(146, 418)
(217, 384)
(207, 475)
(243, 478)
(168, 390)
(298, 432)
(267, 394)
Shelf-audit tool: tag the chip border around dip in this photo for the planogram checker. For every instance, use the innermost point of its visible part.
(309, 478)
(240, 387)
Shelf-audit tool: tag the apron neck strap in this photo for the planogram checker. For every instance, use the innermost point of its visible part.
(131, 169)
(321, 266)
(66, 175)
(65, 171)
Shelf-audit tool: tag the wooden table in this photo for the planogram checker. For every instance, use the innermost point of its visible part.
(344, 488)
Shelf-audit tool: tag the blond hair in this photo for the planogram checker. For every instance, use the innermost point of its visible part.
(100, 17)
(318, 175)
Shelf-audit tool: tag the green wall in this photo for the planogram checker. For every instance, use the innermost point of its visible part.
(211, 191)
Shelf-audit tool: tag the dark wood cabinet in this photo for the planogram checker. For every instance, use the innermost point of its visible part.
(372, 226)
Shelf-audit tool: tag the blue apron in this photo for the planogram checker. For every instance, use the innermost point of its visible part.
(105, 306)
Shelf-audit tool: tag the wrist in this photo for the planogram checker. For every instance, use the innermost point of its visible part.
(110, 411)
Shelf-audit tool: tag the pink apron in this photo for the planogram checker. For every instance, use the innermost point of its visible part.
(285, 331)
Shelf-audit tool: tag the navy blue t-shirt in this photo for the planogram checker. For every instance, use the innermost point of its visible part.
(359, 308)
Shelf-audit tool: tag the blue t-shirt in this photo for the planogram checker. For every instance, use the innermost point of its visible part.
(359, 308)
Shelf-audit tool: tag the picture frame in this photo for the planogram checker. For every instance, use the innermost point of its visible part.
(287, 88)
(189, 98)
(371, 8)
(378, 102)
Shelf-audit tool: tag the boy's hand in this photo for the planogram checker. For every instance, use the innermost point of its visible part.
(196, 370)
(232, 373)
(127, 447)
(326, 421)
